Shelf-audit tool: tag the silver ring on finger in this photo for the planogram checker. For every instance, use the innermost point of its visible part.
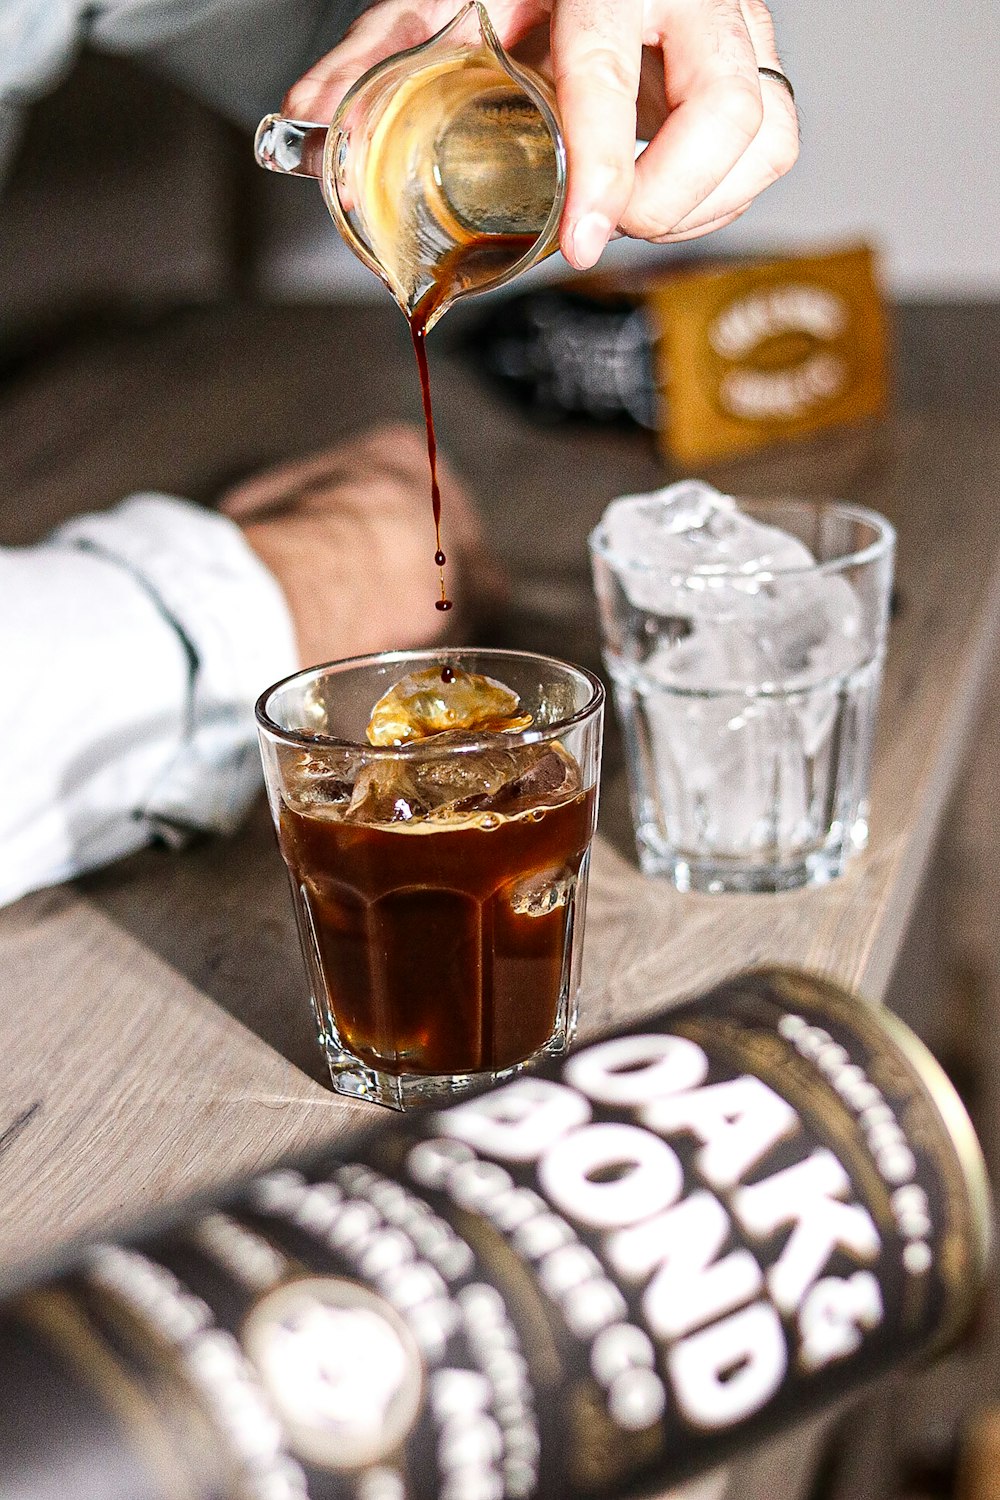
(778, 77)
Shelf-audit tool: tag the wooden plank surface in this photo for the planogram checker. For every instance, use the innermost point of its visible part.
(154, 1032)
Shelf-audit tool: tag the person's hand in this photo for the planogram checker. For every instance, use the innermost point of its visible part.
(349, 536)
(682, 72)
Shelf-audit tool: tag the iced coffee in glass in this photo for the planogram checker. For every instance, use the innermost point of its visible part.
(435, 811)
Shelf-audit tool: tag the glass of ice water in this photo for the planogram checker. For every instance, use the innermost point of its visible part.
(745, 642)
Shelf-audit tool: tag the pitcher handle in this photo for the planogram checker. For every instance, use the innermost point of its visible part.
(293, 146)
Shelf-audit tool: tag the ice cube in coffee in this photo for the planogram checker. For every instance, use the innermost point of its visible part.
(439, 876)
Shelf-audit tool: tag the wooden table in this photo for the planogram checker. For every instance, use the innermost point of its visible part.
(154, 1033)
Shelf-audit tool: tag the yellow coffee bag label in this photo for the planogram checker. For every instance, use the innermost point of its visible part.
(756, 354)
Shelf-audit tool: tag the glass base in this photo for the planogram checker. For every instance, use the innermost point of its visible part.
(717, 874)
(405, 1090)
(357, 1080)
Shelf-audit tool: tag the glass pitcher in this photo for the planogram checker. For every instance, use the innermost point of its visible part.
(443, 168)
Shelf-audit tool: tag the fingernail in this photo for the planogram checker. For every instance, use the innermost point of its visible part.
(590, 235)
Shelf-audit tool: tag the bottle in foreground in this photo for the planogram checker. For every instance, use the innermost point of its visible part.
(589, 1281)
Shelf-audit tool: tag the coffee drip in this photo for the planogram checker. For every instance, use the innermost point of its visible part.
(485, 251)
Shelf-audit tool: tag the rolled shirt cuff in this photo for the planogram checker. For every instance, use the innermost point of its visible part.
(237, 636)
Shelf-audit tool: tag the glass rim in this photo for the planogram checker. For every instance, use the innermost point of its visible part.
(873, 551)
(425, 748)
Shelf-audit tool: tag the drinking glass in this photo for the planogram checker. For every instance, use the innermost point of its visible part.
(747, 695)
(439, 885)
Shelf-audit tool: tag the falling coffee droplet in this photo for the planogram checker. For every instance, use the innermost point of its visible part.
(482, 260)
(418, 333)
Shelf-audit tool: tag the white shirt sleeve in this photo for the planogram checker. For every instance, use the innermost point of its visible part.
(239, 55)
(133, 646)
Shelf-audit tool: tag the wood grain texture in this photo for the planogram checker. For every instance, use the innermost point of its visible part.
(154, 1035)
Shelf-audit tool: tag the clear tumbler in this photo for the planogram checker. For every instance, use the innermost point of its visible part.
(439, 885)
(746, 676)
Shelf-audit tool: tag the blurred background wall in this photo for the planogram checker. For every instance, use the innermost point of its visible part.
(900, 109)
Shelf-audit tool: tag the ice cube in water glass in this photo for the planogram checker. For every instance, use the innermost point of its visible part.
(740, 654)
(686, 547)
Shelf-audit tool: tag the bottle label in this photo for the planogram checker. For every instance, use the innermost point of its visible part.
(756, 354)
(596, 1278)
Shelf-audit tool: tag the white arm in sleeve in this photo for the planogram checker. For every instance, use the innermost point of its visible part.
(241, 56)
(132, 648)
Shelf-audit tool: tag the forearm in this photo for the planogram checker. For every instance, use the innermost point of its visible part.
(132, 647)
